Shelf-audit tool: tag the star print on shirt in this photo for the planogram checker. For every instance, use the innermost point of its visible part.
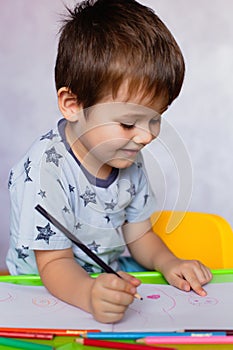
(42, 194)
(146, 199)
(93, 246)
(27, 169)
(110, 205)
(78, 226)
(65, 209)
(50, 135)
(88, 197)
(132, 190)
(22, 253)
(107, 218)
(53, 156)
(45, 233)
(10, 179)
(71, 188)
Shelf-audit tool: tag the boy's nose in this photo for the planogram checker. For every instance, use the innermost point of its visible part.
(143, 136)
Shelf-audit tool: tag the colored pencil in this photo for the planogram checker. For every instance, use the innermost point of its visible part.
(79, 244)
(227, 331)
(116, 345)
(20, 344)
(186, 340)
(137, 335)
(25, 335)
(49, 331)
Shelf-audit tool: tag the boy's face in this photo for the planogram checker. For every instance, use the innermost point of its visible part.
(113, 132)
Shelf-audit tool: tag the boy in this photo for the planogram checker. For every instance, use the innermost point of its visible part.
(118, 69)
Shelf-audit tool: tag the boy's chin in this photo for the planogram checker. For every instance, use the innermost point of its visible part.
(122, 163)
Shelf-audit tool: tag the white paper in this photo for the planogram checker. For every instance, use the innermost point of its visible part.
(163, 308)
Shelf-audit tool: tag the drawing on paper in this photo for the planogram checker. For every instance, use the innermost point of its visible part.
(153, 296)
(159, 301)
(202, 301)
(163, 308)
(6, 297)
(42, 301)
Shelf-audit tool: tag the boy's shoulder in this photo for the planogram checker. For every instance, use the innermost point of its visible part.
(49, 144)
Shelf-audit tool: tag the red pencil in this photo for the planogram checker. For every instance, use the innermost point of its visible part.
(51, 331)
(117, 345)
(26, 335)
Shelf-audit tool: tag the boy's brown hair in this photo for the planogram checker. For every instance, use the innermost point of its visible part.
(104, 43)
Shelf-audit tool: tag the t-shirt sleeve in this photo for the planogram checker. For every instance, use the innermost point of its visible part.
(43, 183)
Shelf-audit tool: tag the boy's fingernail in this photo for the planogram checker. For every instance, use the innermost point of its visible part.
(186, 288)
(203, 293)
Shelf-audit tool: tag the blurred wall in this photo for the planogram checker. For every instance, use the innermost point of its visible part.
(191, 163)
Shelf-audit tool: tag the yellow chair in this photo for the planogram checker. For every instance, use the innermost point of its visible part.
(193, 235)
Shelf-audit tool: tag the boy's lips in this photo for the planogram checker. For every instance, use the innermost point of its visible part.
(130, 152)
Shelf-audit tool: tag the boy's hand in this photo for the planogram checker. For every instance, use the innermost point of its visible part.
(187, 275)
(111, 296)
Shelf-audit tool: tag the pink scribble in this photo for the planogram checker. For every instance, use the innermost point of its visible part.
(202, 301)
(153, 296)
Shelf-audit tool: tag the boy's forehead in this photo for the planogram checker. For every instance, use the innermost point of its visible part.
(120, 109)
(137, 98)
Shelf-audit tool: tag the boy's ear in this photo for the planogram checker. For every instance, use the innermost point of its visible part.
(67, 103)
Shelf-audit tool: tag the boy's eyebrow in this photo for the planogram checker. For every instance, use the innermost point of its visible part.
(141, 111)
(133, 115)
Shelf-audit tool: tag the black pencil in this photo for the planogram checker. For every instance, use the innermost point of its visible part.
(77, 242)
(227, 331)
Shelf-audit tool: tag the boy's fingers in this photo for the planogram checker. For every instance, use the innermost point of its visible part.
(118, 284)
(129, 278)
(190, 281)
(191, 275)
(204, 275)
(117, 291)
(197, 287)
(197, 278)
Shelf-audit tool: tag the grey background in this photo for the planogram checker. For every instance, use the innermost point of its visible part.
(190, 164)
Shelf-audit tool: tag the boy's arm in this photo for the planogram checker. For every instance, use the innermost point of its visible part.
(150, 251)
(61, 275)
(106, 297)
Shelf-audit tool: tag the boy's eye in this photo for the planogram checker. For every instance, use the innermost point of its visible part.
(127, 126)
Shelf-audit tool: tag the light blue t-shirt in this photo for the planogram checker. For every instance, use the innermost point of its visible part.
(93, 209)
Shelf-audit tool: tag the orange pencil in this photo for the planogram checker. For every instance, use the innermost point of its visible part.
(51, 331)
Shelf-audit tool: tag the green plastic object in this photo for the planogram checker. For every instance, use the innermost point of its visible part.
(219, 276)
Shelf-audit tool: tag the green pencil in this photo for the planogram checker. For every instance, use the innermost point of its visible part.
(20, 344)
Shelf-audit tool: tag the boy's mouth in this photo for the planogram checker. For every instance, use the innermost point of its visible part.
(130, 152)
